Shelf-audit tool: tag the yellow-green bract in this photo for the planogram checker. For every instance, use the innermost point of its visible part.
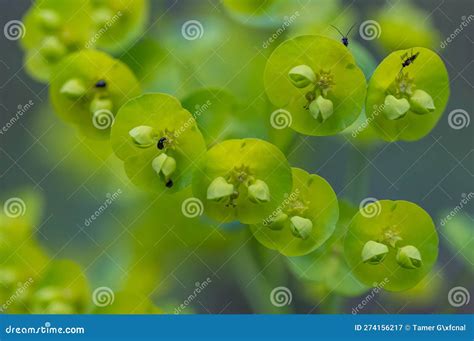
(77, 99)
(167, 119)
(241, 163)
(428, 73)
(311, 198)
(395, 224)
(339, 80)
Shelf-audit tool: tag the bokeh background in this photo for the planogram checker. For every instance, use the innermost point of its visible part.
(142, 245)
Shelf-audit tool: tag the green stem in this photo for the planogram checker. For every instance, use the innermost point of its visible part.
(253, 283)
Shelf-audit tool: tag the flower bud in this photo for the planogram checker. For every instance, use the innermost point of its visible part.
(301, 227)
(325, 107)
(158, 162)
(52, 48)
(101, 104)
(143, 136)
(409, 257)
(73, 88)
(259, 192)
(278, 222)
(301, 76)
(48, 19)
(421, 102)
(373, 252)
(395, 108)
(219, 189)
(168, 167)
(314, 109)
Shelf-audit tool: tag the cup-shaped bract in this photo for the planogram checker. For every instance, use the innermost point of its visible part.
(88, 89)
(117, 22)
(243, 163)
(166, 165)
(53, 29)
(399, 225)
(424, 84)
(310, 212)
(327, 264)
(338, 80)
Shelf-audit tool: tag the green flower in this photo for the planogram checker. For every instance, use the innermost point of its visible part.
(301, 227)
(259, 192)
(301, 76)
(409, 257)
(219, 189)
(373, 252)
(421, 102)
(395, 108)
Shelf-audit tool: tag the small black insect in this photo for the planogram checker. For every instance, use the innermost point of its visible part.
(169, 183)
(101, 84)
(161, 143)
(408, 59)
(344, 37)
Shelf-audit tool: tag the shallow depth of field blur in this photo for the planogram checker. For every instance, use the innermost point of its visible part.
(140, 253)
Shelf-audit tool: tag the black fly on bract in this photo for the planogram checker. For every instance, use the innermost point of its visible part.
(101, 84)
(161, 143)
(407, 60)
(344, 37)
